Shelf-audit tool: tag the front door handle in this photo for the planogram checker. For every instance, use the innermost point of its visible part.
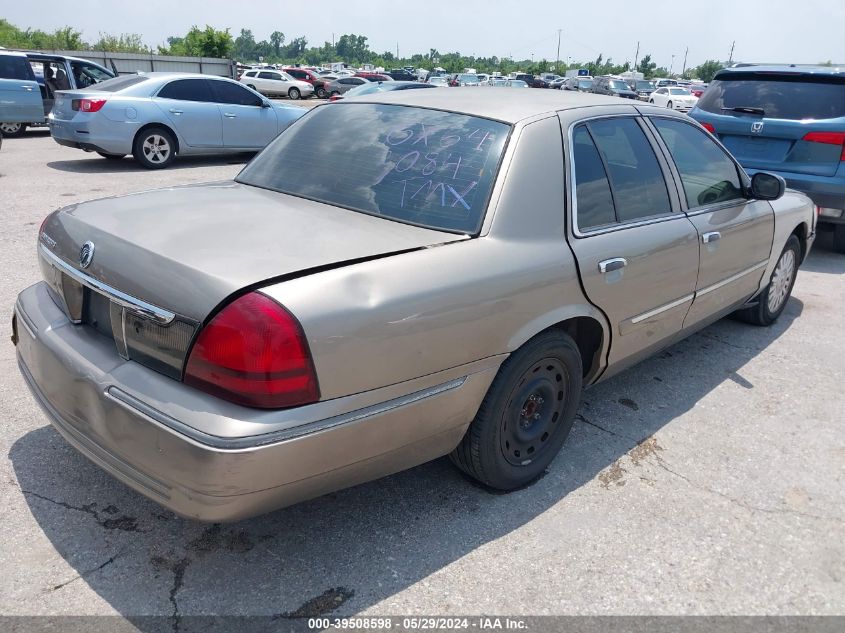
(175, 111)
(713, 236)
(229, 115)
(27, 88)
(609, 265)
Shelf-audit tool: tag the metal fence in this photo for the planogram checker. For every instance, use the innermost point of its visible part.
(127, 63)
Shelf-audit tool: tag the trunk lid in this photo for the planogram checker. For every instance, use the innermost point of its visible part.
(187, 249)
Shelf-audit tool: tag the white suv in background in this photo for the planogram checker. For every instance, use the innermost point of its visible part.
(276, 83)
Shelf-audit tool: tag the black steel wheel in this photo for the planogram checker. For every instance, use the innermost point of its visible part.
(526, 415)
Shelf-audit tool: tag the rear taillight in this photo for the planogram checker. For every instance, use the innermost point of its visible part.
(828, 138)
(254, 353)
(87, 105)
(709, 127)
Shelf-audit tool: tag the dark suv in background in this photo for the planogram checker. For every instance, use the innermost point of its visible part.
(788, 120)
(613, 87)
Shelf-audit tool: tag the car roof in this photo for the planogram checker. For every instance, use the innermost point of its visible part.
(507, 106)
(791, 69)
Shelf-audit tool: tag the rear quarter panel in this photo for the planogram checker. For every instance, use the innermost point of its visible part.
(394, 319)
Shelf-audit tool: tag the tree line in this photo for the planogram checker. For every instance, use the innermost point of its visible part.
(350, 48)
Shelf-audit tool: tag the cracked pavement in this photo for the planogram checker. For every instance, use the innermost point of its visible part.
(709, 479)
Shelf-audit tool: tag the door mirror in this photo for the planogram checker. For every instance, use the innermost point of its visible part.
(765, 186)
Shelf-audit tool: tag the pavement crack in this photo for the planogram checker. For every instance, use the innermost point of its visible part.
(743, 504)
(89, 572)
(178, 569)
(580, 417)
(124, 523)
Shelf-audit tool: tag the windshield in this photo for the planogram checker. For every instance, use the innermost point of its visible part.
(414, 165)
(517, 83)
(793, 98)
(679, 91)
(437, 80)
(585, 84)
(645, 85)
(471, 79)
(617, 84)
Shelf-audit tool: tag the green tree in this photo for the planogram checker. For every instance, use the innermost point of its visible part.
(707, 70)
(244, 47)
(277, 38)
(646, 67)
(123, 43)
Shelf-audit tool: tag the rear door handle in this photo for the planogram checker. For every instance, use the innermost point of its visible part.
(27, 88)
(713, 236)
(609, 265)
(229, 115)
(175, 111)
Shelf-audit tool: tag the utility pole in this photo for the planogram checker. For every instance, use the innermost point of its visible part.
(557, 60)
(397, 51)
(332, 40)
(683, 72)
(636, 56)
(731, 58)
(672, 65)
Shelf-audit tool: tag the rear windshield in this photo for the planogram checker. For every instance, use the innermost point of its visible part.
(418, 166)
(118, 83)
(779, 97)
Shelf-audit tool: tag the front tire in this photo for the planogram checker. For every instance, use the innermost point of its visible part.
(154, 148)
(13, 130)
(526, 415)
(294, 94)
(773, 299)
(321, 93)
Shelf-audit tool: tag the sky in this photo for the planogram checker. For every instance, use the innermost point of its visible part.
(764, 30)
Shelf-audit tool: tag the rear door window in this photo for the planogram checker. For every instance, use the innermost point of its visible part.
(708, 175)
(424, 167)
(778, 96)
(187, 90)
(636, 179)
(15, 67)
(234, 94)
(592, 189)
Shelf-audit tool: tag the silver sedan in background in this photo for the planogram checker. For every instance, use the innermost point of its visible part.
(157, 116)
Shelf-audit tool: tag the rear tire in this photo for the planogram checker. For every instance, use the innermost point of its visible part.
(154, 148)
(250, 86)
(526, 415)
(839, 238)
(294, 94)
(774, 297)
(13, 130)
(321, 93)
(111, 156)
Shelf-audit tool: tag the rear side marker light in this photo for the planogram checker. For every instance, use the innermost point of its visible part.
(254, 353)
(828, 138)
(87, 105)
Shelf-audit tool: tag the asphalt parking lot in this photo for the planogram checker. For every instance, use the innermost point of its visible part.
(707, 480)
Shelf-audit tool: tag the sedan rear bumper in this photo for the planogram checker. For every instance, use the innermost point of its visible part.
(96, 135)
(113, 411)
